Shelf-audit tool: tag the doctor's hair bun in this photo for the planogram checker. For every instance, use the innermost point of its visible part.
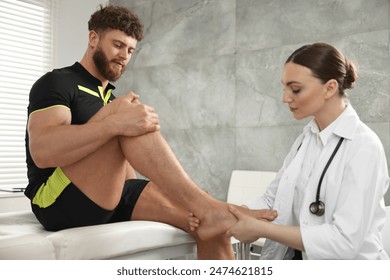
(350, 75)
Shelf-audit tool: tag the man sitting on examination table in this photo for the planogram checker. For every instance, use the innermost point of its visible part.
(83, 147)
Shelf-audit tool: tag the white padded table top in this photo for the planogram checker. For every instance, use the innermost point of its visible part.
(22, 237)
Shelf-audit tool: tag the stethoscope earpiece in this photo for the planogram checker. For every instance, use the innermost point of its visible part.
(317, 208)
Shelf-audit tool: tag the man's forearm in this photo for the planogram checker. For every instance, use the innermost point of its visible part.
(66, 144)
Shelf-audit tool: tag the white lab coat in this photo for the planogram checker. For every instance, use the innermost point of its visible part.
(352, 190)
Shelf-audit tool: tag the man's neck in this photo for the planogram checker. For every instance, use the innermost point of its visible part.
(90, 66)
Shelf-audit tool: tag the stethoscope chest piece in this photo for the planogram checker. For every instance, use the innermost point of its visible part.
(317, 208)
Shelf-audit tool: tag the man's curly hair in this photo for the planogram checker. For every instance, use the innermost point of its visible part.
(115, 17)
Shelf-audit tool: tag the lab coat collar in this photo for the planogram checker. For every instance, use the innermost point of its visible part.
(344, 126)
(349, 121)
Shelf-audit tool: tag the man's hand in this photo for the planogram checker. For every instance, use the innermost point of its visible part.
(134, 98)
(132, 118)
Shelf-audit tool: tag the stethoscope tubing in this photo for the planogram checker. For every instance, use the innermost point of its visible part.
(326, 168)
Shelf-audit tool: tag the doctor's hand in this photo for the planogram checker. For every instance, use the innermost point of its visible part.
(248, 229)
(193, 221)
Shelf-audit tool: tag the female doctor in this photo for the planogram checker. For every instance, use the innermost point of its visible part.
(329, 191)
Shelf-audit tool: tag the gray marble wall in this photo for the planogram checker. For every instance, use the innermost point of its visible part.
(212, 70)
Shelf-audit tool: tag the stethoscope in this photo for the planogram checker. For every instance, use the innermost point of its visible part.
(318, 207)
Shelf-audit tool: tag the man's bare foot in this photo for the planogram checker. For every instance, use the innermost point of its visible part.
(259, 214)
(216, 220)
(262, 214)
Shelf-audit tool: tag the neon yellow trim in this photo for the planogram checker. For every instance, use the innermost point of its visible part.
(87, 90)
(43, 109)
(108, 94)
(48, 192)
(100, 94)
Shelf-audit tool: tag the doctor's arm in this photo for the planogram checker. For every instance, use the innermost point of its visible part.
(248, 229)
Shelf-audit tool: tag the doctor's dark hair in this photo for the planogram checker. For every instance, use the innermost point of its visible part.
(115, 17)
(326, 63)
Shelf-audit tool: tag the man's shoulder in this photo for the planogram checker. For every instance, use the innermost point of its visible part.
(72, 71)
(59, 77)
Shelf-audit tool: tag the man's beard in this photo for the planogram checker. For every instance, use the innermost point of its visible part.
(103, 65)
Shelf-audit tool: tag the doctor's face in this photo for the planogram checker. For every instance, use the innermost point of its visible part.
(304, 93)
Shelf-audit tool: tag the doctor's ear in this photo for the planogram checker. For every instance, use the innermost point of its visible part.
(332, 87)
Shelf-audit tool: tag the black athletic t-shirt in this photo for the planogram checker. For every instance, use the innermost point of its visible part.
(72, 87)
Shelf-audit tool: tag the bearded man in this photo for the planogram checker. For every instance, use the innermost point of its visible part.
(83, 146)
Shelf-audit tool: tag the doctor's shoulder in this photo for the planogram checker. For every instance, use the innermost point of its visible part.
(366, 141)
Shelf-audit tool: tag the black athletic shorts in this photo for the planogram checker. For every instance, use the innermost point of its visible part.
(72, 208)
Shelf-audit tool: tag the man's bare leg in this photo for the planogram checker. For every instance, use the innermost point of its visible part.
(154, 205)
(101, 174)
(151, 156)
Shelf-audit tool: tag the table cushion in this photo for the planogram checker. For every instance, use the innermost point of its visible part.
(23, 237)
(114, 240)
